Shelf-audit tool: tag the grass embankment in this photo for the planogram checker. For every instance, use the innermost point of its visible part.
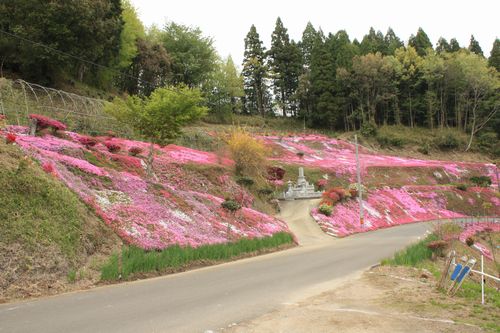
(467, 301)
(47, 233)
(135, 261)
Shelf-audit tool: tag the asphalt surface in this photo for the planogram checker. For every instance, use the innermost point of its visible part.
(212, 298)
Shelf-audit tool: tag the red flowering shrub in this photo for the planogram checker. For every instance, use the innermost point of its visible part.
(2, 117)
(43, 122)
(48, 168)
(134, 151)
(87, 141)
(321, 183)
(10, 138)
(112, 147)
(275, 173)
(353, 192)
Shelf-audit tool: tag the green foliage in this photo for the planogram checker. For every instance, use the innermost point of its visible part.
(421, 42)
(265, 191)
(390, 141)
(483, 181)
(131, 32)
(325, 209)
(413, 254)
(135, 260)
(461, 187)
(65, 26)
(494, 59)
(245, 181)
(447, 141)
(193, 55)
(368, 129)
(254, 74)
(230, 205)
(474, 46)
(160, 116)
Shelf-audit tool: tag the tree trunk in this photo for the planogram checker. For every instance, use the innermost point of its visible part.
(149, 161)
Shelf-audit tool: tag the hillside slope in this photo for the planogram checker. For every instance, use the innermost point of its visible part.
(47, 234)
(182, 205)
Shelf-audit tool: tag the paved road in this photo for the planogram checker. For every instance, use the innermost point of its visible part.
(213, 297)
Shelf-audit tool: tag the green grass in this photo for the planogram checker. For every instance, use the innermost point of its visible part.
(135, 260)
(413, 254)
(37, 209)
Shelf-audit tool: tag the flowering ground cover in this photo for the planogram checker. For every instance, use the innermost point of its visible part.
(338, 157)
(179, 207)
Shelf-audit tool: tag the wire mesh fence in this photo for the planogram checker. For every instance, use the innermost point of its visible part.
(82, 114)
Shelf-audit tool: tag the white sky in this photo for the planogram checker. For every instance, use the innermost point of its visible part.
(228, 22)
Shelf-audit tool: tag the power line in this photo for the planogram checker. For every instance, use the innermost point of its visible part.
(75, 57)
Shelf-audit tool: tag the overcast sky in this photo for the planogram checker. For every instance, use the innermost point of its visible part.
(228, 21)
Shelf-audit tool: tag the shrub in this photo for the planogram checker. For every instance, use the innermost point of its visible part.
(300, 154)
(245, 181)
(368, 129)
(265, 191)
(230, 205)
(483, 181)
(424, 149)
(112, 147)
(389, 141)
(87, 141)
(325, 209)
(249, 154)
(43, 122)
(134, 151)
(461, 187)
(437, 246)
(10, 138)
(447, 142)
(275, 173)
(469, 241)
(321, 183)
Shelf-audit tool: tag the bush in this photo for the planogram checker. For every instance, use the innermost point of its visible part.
(325, 209)
(265, 191)
(469, 241)
(230, 205)
(483, 181)
(368, 129)
(275, 173)
(249, 154)
(134, 151)
(300, 154)
(43, 122)
(245, 181)
(424, 149)
(437, 246)
(461, 187)
(389, 141)
(87, 141)
(321, 183)
(112, 147)
(10, 138)
(447, 141)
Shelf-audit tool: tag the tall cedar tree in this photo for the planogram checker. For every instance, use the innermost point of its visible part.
(254, 73)
(494, 60)
(420, 42)
(454, 45)
(392, 42)
(475, 47)
(442, 45)
(285, 65)
(309, 37)
(373, 42)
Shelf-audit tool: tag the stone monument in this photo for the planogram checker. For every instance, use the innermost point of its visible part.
(301, 190)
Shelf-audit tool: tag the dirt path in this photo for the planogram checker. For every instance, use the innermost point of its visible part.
(383, 300)
(297, 215)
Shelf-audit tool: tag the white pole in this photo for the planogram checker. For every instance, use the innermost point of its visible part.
(482, 279)
(358, 172)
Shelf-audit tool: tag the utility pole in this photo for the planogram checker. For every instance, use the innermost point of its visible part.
(360, 190)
